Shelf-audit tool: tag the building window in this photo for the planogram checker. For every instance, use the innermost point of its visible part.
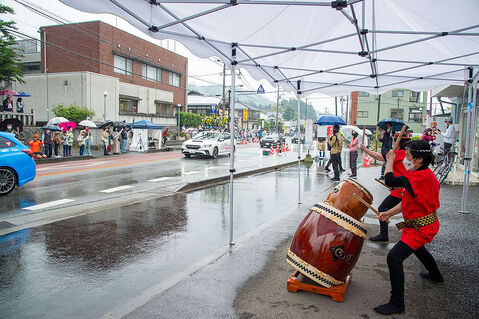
(398, 93)
(397, 114)
(174, 79)
(414, 96)
(151, 73)
(128, 105)
(123, 65)
(361, 93)
(164, 108)
(363, 114)
(415, 115)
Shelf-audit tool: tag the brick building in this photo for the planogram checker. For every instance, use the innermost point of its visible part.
(96, 65)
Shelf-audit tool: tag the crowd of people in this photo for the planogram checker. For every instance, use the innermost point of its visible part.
(7, 105)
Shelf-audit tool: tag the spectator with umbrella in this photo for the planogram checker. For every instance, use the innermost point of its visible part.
(57, 140)
(105, 138)
(388, 127)
(47, 142)
(124, 139)
(12, 125)
(70, 140)
(7, 104)
(336, 143)
(20, 105)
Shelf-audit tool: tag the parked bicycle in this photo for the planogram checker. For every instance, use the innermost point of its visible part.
(444, 164)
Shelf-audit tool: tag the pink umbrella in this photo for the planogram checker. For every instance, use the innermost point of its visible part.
(8, 92)
(66, 125)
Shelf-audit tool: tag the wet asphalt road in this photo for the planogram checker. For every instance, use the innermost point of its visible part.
(88, 265)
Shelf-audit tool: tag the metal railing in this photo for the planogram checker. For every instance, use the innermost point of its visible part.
(26, 118)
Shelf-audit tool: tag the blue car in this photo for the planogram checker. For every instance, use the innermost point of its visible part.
(17, 166)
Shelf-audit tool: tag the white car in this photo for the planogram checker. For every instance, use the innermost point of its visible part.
(208, 143)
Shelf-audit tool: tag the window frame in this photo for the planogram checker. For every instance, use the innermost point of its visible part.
(363, 94)
(395, 111)
(172, 77)
(397, 93)
(126, 68)
(363, 117)
(419, 112)
(130, 110)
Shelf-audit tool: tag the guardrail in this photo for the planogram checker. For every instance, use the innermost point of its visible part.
(27, 119)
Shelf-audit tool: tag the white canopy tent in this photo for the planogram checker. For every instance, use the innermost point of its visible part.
(312, 46)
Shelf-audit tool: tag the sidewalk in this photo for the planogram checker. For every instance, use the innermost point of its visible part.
(250, 282)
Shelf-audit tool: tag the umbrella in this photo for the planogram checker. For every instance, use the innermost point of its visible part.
(51, 127)
(8, 92)
(58, 120)
(368, 132)
(145, 124)
(119, 123)
(14, 122)
(352, 128)
(22, 94)
(65, 126)
(330, 120)
(396, 124)
(87, 123)
(189, 129)
(105, 123)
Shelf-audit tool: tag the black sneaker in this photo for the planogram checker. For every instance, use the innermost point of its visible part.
(389, 309)
(381, 178)
(342, 170)
(426, 275)
(380, 237)
(335, 179)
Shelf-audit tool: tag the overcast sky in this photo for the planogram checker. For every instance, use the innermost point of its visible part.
(200, 71)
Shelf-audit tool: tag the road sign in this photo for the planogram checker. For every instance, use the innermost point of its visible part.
(213, 108)
(245, 115)
(260, 89)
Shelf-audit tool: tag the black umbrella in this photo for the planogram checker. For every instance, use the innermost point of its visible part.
(119, 123)
(14, 122)
(51, 127)
(105, 124)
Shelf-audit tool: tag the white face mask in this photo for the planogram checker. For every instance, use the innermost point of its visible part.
(408, 164)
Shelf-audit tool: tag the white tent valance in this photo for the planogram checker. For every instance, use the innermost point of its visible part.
(332, 47)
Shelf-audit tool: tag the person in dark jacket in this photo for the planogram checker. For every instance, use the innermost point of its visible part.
(387, 140)
(47, 142)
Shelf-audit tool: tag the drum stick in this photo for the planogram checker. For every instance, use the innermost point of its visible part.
(364, 132)
(396, 145)
(377, 180)
(368, 205)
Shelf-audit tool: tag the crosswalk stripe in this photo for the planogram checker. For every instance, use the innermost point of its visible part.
(49, 204)
(116, 189)
(159, 179)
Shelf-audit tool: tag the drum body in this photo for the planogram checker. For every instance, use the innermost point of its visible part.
(326, 245)
(342, 198)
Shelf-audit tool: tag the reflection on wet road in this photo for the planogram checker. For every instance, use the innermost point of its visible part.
(88, 265)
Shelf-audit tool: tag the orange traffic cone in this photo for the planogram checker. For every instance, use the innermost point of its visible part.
(282, 148)
(271, 150)
(287, 147)
(278, 150)
(367, 160)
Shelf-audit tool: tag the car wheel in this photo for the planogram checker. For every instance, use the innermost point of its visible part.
(215, 153)
(8, 180)
(188, 155)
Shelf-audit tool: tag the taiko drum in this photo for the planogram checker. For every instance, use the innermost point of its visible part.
(343, 199)
(326, 245)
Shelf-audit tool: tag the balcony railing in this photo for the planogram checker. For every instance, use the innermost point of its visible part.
(26, 118)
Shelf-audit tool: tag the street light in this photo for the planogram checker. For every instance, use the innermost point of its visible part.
(179, 120)
(105, 93)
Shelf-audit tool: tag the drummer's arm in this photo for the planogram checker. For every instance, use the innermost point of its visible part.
(389, 213)
(377, 156)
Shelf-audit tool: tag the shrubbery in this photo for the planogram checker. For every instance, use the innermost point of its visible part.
(73, 112)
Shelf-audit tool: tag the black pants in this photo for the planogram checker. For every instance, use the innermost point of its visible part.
(336, 162)
(447, 148)
(48, 150)
(353, 157)
(395, 259)
(388, 203)
(55, 148)
(331, 162)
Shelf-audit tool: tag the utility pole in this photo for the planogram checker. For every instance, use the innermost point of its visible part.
(277, 107)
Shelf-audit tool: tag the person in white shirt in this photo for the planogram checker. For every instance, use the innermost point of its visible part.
(449, 136)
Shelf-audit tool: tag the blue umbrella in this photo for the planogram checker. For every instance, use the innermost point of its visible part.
(145, 124)
(23, 94)
(330, 120)
(396, 124)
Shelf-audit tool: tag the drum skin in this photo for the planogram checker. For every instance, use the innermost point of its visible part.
(342, 198)
(323, 244)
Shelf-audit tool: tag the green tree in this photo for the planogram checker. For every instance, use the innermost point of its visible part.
(189, 119)
(73, 112)
(289, 113)
(9, 55)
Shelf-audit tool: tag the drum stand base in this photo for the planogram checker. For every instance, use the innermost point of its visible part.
(336, 293)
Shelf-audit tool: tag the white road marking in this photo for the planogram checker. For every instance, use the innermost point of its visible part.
(49, 204)
(159, 179)
(213, 167)
(116, 189)
(189, 173)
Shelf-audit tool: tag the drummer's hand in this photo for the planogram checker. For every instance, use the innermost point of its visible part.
(362, 147)
(390, 156)
(383, 216)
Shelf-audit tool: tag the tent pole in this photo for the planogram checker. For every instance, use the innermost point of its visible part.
(232, 135)
(299, 140)
(471, 99)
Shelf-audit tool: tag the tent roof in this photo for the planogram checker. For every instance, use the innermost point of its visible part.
(329, 47)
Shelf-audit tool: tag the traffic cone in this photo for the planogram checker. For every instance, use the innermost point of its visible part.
(271, 150)
(287, 147)
(282, 148)
(367, 160)
(278, 150)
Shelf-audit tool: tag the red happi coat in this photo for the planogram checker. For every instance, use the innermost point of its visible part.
(426, 201)
(398, 170)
